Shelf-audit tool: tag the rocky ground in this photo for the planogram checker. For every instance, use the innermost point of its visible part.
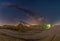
(7, 38)
(52, 34)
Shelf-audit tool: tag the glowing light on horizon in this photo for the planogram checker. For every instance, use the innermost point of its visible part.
(47, 26)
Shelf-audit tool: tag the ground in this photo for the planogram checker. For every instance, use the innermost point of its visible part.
(52, 34)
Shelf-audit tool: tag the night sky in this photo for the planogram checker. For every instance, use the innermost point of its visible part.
(50, 9)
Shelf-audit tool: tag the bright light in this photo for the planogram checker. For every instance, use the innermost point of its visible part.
(48, 26)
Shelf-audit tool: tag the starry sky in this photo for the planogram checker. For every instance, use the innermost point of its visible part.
(50, 9)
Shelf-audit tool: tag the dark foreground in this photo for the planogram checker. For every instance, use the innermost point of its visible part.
(47, 35)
